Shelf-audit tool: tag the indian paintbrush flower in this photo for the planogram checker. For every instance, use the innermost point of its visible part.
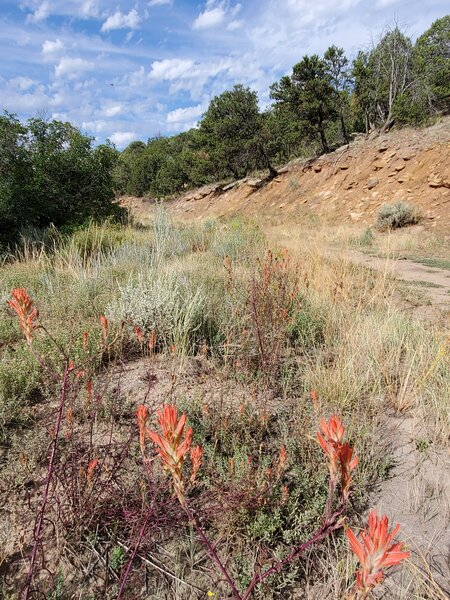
(375, 551)
(22, 304)
(196, 459)
(142, 414)
(172, 446)
(340, 455)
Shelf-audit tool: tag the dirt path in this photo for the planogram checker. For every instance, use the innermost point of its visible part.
(437, 280)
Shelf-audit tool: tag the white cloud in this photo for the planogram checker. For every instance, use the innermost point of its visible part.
(112, 111)
(122, 138)
(233, 25)
(95, 126)
(159, 2)
(89, 9)
(171, 68)
(21, 83)
(183, 115)
(40, 14)
(72, 67)
(50, 48)
(121, 20)
(210, 17)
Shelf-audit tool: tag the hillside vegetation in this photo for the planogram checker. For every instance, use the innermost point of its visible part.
(319, 106)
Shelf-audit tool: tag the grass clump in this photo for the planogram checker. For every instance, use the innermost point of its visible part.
(395, 216)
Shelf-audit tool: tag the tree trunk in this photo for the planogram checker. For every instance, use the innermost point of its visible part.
(323, 140)
(388, 123)
(344, 129)
(272, 172)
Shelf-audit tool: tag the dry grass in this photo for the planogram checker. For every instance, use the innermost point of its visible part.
(353, 345)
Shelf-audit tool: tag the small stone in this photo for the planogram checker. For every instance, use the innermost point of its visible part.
(398, 166)
(317, 168)
(372, 183)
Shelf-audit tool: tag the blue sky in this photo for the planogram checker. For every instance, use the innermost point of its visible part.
(125, 70)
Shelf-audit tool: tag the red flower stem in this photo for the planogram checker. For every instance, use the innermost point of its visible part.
(213, 554)
(40, 516)
(132, 557)
(329, 505)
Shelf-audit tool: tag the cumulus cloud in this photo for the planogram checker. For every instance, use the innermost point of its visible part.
(120, 20)
(215, 13)
(113, 110)
(159, 2)
(180, 115)
(122, 138)
(72, 67)
(89, 8)
(171, 68)
(211, 17)
(40, 14)
(21, 83)
(235, 24)
(50, 48)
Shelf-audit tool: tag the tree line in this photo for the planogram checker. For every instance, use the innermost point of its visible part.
(50, 173)
(317, 107)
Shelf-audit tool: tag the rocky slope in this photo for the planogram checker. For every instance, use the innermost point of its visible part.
(348, 185)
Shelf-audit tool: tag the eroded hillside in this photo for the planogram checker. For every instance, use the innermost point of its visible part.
(348, 185)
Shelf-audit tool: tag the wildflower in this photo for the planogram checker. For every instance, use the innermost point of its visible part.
(85, 340)
(348, 464)
(284, 494)
(138, 333)
(142, 414)
(152, 341)
(314, 395)
(375, 551)
(282, 459)
(88, 391)
(330, 441)
(340, 455)
(196, 459)
(22, 304)
(90, 471)
(211, 594)
(171, 447)
(104, 326)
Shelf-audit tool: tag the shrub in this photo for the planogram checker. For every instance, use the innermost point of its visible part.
(394, 216)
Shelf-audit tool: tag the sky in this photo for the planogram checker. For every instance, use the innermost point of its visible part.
(132, 69)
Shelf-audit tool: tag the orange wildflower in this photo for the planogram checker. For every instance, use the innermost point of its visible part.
(138, 333)
(152, 341)
(172, 448)
(90, 471)
(348, 464)
(104, 326)
(22, 304)
(85, 340)
(196, 459)
(314, 395)
(375, 551)
(88, 391)
(340, 455)
(282, 459)
(142, 414)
